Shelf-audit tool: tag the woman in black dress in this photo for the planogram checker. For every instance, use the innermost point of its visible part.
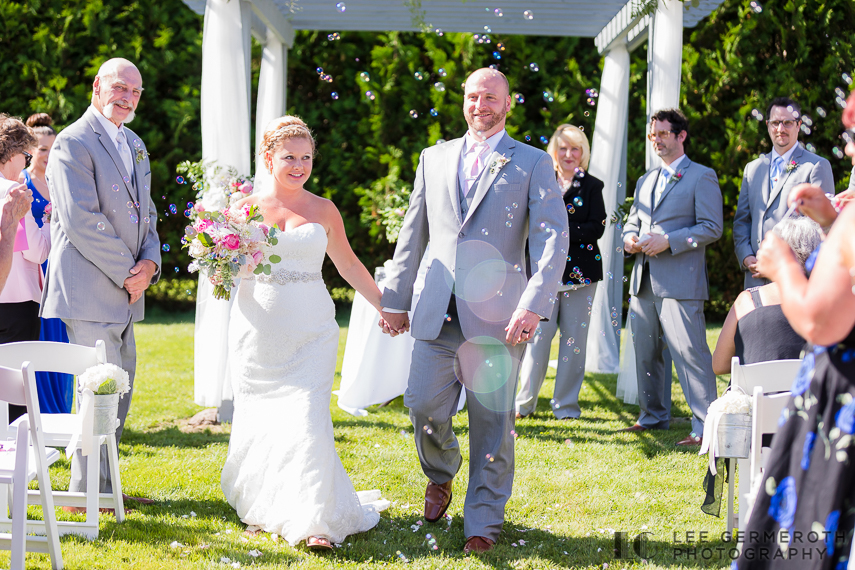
(808, 486)
(756, 329)
(586, 212)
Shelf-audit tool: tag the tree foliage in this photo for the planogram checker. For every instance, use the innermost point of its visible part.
(733, 62)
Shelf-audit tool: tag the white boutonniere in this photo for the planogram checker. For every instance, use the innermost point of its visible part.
(498, 164)
(792, 165)
(140, 155)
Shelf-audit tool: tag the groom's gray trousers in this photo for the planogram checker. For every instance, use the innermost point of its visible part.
(121, 351)
(433, 391)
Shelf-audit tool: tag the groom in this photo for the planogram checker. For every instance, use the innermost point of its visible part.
(105, 247)
(477, 200)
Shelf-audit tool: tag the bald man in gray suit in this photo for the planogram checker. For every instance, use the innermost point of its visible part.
(479, 200)
(105, 247)
(767, 181)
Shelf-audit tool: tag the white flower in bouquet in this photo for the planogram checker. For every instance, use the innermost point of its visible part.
(105, 379)
(214, 200)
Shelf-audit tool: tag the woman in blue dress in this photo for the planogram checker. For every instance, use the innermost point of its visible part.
(55, 390)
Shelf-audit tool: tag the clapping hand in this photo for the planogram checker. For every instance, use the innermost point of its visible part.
(17, 203)
(394, 324)
(140, 279)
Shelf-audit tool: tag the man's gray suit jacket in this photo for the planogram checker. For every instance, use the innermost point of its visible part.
(690, 213)
(101, 225)
(480, 257)
(759, 208)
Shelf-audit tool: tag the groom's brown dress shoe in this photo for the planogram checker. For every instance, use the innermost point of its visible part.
(478, 544)
(691, 440)
(633, 428)
(437, 499)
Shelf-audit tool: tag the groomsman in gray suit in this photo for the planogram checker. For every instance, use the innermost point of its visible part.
(105, 247)
(477, 199)
(767, 181)
(677, 212)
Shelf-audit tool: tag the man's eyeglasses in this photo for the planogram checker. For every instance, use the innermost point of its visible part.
(29, 158)
(787, 123)
(663, 135)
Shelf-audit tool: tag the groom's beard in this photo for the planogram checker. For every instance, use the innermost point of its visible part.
(487, 123)
(108, 112)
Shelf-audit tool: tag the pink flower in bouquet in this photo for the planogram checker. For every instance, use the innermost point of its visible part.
(199, 207)
(231, 241)
(245, 188)
(265, 228)
(202, 225)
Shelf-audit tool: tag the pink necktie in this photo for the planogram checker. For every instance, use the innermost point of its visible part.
(479, 150)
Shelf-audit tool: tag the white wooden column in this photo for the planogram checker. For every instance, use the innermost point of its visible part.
(664, 60)
(225, 139)
(608, 158)
(272, 96)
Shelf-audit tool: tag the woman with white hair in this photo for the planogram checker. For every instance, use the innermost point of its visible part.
(756, 329)
(586, 213)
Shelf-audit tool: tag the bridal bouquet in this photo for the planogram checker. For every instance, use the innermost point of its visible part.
(216, 187)
(230, 244)
(105, 379)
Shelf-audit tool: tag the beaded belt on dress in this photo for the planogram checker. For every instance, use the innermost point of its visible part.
(284, 276)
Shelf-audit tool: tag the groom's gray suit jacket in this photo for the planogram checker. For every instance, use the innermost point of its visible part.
(97, 229)
(480, 255)
(760, 207)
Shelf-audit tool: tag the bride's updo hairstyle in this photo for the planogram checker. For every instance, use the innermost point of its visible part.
(281, 129)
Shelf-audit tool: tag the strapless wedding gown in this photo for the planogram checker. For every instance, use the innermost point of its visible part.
(282, 472)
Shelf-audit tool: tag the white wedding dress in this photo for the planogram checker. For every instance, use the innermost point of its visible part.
(282, 472)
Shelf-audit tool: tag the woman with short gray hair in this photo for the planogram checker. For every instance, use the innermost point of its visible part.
(756, 329)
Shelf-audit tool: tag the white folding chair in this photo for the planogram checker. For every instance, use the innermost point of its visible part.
(767, 412)
(60, 429)
(771, 376)
(21, 460)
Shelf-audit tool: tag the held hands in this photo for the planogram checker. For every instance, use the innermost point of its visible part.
(394, 324)
(774, 256)
(140, 279)
(655, 244)
(521, 327)
(631, 245)
(750, 263)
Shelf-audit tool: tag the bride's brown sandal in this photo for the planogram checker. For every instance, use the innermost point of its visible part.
(318, 543)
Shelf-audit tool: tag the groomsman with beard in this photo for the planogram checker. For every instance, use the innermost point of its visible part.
(676, 213)
(479, 200)
(767, 181)
(105, 249)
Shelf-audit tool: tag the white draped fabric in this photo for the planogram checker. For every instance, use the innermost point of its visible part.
(607, 155)
(664, 59)
(225, 77)
(271, 98)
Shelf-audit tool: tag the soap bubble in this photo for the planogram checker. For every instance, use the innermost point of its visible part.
(165, 247)
(370, 95)
(528, 15)
(498, 12)
(547, 96)
(544, 140)
(334, 95)
(439, 86)
(341, 7)
(497, 55)
(533, 66)
(441, 72)
(101, 226)
(334, 36)
(419, 75)
(518, 97)
(434, 112)
(414, 114)
(756, 6)
(364, 76)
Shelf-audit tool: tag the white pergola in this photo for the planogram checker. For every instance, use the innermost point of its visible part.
(226, 88)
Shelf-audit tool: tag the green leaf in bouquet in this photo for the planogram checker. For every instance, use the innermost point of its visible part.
(267, 270)
(107, 387)
(274, 259)
(272, 241)
(259, 269)
(206, 240)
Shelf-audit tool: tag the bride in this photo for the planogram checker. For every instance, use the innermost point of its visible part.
(282, 474)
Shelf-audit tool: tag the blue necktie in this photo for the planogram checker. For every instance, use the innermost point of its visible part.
(775, 172)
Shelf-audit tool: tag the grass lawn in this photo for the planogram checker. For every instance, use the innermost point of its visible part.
(576, 483)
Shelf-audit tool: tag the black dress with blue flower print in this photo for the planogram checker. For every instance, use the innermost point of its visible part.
(804, 513)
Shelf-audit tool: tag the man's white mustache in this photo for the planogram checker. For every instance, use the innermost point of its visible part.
(109, 107)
